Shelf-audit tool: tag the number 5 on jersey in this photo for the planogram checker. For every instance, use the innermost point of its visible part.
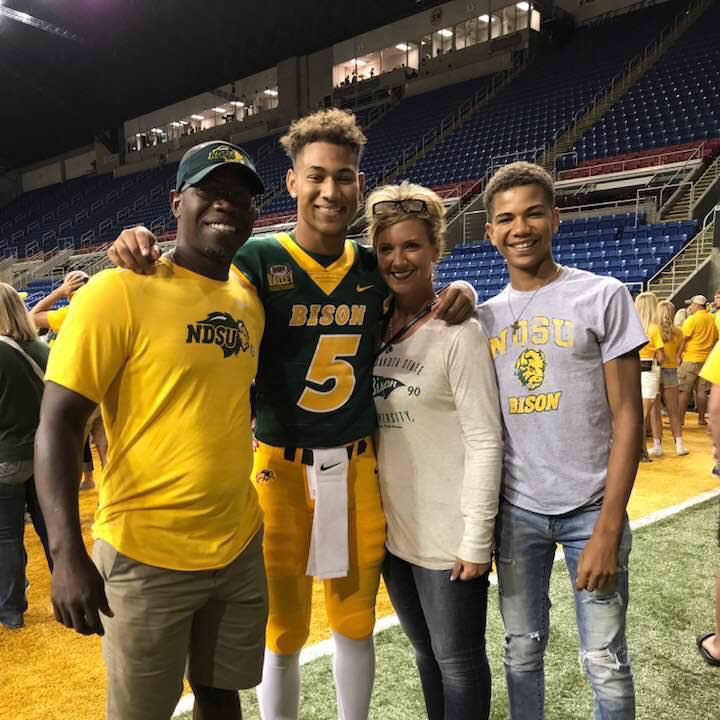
(328, 365)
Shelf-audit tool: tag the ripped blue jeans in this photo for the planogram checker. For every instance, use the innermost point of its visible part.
(526, 545)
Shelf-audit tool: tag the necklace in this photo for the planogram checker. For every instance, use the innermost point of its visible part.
(516, 318)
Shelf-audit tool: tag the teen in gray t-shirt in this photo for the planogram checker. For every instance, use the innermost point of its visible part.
(552, 385)
(564, 343)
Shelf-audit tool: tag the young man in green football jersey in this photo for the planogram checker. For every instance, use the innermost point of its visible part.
(315, 468)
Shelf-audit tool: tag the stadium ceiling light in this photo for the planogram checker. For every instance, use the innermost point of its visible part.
(184, 122)
(197, 117)
(359, 62)
(524, 6)
(272, 93)
(238, 103)
(484, 18)
(176, 124)
(219, 109)
(402, 46)
(445, 32)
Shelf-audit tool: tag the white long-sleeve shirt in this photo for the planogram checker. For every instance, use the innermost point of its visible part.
(440, 444)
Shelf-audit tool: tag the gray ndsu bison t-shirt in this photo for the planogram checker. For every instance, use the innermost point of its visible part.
(552, 386)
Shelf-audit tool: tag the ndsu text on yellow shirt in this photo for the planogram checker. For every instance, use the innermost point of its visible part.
(170, 357)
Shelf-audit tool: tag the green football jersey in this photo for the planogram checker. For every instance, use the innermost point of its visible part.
(321, 333)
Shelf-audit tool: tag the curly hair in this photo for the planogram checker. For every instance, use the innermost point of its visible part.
(334, 126)
(434, 218)
(515, 175)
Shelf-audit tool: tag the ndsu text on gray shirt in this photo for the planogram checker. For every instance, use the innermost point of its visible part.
(552, 385)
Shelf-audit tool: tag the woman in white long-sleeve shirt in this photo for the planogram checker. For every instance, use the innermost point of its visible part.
(439, 459)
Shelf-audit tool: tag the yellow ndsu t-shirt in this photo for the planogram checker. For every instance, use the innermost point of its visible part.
(170, 358)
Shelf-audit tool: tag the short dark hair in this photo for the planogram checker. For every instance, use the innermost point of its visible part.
(517, 174)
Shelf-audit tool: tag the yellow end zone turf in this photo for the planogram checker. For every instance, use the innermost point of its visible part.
(54, 674)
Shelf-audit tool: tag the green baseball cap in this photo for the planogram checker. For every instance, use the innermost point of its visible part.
(199, 161)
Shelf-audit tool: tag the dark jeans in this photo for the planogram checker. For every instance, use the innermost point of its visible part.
(445, 622)
(13, 499)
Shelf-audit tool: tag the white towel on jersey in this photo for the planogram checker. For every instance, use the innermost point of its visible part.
(327, 483)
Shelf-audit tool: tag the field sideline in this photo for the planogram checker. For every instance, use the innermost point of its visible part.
(50, 673)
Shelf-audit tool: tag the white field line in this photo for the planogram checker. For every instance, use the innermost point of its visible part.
(326, 647)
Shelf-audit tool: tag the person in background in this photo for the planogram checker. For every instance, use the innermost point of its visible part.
(439, 458)
(708, 645)
(22, 365)
(699, 336)
(715, 303)
(651, 359)
(45, 318)
(672, 337)
(680, 317)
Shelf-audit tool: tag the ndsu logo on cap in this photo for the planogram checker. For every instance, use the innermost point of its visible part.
(226, 154)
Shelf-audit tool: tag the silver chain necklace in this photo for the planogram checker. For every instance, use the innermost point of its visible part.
(516, 318)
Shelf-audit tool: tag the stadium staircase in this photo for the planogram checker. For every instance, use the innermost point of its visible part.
(681, 207)
(678, 270)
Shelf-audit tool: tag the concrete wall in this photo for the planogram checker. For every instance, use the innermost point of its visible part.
(455, 67)
(584, 10)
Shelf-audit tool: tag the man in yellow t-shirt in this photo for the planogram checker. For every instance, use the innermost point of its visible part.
(170, 358)
(699, 336)
(708, 645)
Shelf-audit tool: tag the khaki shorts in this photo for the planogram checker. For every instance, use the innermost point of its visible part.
(688, 376)
(209, 624)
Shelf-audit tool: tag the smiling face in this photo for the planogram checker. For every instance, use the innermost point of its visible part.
(216, 216)
(521, 227)
(406, 256)
(326, 180)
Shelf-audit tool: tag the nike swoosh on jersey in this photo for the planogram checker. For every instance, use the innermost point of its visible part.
(363, 288)
(324, 467)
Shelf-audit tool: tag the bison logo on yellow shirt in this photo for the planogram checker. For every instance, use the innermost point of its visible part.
(530, 368)
(220, 328)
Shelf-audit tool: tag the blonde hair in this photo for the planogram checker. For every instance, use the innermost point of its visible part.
(680, 317)
(666, 317)
(646, 304)
(15, 321)
(434, 218)
(338, 127)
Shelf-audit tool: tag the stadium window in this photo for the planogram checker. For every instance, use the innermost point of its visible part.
(508, 19)
(426, 48)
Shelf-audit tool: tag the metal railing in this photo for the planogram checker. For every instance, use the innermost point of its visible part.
(616, 166)
(713, 172)
(694, 252)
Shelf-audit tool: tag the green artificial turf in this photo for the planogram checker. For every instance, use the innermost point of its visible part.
(672, 577)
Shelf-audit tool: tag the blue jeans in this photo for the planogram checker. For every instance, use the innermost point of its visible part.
(445, 622)
(14, 497)
(525, 549)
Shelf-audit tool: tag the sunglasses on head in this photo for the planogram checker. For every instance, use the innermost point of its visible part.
(409, 206)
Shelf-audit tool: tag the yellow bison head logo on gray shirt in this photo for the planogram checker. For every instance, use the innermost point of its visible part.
(530, 368)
